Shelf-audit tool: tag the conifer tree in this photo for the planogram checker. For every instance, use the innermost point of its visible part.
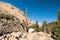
(44, 26)
(58, 20)
(56, 29)
(37, 26)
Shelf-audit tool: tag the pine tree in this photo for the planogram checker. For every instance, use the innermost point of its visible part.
(56, 29)
(44, 26)
(37, 26)
(58, 20)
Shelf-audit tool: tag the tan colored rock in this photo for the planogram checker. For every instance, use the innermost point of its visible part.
(25, 36)
(38, 36)
(17, 16)
(7, 8)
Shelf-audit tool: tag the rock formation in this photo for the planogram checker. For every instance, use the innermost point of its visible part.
(13, 25)
(9, 9)
(25, 36)
(11, 19)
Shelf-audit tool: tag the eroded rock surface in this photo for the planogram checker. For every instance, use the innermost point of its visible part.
(6, 8)
(26, 36)
(11, 19)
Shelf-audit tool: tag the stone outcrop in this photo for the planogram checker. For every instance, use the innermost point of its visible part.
(11, 19)
(26, 36)
(7, 8)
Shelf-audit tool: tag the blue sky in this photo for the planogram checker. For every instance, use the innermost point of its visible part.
(38, 9)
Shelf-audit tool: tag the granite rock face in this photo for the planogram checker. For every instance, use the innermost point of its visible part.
(26, 36)
(7, 8)
(11, 19)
